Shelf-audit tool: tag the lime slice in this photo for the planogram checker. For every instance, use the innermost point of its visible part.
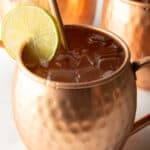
(31, 24)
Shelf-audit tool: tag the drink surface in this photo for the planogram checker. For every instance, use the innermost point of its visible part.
(92, 55)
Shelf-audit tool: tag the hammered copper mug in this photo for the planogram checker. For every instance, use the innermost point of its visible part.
(95, 115)
(130, 19)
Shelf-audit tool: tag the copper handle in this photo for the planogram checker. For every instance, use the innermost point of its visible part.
(140, 124)
(140, 63)
(145, 121)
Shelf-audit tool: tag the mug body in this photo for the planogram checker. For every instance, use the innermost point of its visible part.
(96, 115)
(131, 21)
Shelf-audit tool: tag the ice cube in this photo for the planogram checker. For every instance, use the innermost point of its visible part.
(77, 76)
(60, 57)
(71, 61)
(97, 60)
(98, 39)
(44, 63)
(84, 51)
(108, 73)
(113, 46)
(75, 54)
(58, 64)
(98, 63)
(78, 63)
(89, 59)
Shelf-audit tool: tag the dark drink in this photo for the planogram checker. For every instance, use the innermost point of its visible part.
(91, 56)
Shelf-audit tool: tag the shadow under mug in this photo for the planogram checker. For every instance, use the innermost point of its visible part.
(94, 115)
(130, 20)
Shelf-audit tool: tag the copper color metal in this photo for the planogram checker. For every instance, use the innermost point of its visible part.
(72, 11)
(95, 115)
(131, 21)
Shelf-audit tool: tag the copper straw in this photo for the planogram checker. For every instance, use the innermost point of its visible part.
(56, 13)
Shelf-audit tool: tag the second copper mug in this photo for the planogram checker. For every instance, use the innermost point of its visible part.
(95, 115)
(130, 19)
(73, 11)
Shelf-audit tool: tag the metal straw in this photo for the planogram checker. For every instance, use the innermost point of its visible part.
(56, 13)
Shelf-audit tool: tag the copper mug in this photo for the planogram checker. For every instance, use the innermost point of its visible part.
(73, 11)
(131, 21)
(95, 115)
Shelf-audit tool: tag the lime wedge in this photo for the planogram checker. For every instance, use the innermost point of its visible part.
(34, 25)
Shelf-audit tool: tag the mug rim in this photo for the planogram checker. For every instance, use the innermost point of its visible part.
(79, 85)
(135, 3)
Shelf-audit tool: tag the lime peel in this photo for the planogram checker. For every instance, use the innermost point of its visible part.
(34, 26)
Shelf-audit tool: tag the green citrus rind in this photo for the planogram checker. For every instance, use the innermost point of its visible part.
(33, 24)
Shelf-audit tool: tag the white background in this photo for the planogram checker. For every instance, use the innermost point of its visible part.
(9, 139)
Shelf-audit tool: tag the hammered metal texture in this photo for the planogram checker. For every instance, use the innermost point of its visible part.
(95, 118)
(131, 21)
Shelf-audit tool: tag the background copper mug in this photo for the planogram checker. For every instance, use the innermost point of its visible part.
(131, 21)
(95, 115)
(73, 11)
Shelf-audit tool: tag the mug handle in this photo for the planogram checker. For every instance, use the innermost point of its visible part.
(145, 121)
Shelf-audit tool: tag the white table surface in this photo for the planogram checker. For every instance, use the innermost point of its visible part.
(9, 138)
